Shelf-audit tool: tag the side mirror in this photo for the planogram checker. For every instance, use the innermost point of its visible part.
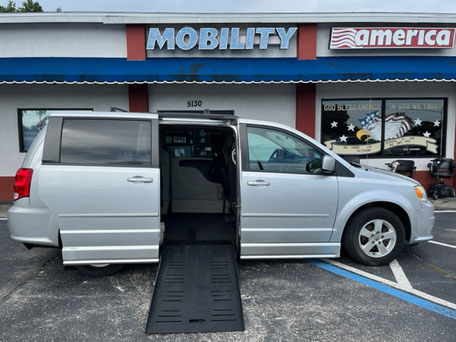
(328, 164)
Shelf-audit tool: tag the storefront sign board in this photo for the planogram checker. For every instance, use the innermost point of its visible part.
(391, 38)
(211, 38)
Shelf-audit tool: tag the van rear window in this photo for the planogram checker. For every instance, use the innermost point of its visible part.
(106, 142)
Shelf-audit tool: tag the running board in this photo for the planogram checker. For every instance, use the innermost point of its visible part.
(196, 290)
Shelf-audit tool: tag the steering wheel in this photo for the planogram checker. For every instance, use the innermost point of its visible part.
(314, 166)
(275, 154)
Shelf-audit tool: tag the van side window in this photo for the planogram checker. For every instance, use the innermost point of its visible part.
(106, 142)
(276, 151)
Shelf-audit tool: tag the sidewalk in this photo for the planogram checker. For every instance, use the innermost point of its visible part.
(445, 203)
(4, 205)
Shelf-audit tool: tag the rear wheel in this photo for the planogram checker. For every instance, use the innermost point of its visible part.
(374, 236)
(100, 270)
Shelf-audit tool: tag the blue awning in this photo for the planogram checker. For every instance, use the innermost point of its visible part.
(225, 70)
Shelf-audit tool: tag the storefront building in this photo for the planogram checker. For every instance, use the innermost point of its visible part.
(378, 86)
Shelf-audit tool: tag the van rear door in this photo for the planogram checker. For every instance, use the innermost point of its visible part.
(100, 177)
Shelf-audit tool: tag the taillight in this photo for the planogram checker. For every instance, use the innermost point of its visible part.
(22, 183)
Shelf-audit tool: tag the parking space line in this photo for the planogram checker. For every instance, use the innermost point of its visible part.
(441, 244)
(391, 283)
(371, 280)
(3, 219)
(399, 274)
(444, 211)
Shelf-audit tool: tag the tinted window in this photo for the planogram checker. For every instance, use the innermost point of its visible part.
(277, 151)
(106, 142)
(31, 121)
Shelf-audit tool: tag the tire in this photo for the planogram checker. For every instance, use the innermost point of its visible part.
(435, 195)
(99, 270)
(452, 193)
(376, 227)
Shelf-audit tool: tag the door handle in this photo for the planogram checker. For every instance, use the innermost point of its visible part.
(258, 182)
(140, 179)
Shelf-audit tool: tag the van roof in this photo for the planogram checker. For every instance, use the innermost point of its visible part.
(175, 115)
(93, 114)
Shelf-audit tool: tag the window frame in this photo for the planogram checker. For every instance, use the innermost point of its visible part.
(19, 121)
(381, 155)
(54, 159)
(245, 154)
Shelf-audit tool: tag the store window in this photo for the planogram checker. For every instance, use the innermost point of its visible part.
(31, 121)
(384, 127)
(414, 127)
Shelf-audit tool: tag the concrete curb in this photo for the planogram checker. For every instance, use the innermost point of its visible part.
(4, 206)
(445, 203)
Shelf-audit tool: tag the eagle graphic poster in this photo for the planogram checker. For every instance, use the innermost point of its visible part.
(405, 127)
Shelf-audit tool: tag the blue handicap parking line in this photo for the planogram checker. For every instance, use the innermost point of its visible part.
(426, 304)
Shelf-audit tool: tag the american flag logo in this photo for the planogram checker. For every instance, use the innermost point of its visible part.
(343, 38)
(396, 125)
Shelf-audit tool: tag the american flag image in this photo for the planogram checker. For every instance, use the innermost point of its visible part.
(343, 38)
(396, 125)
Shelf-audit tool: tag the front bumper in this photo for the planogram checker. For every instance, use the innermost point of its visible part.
(422, 230)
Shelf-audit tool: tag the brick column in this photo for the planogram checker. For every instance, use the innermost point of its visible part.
(6, 188)
(305, 108)
(305, 93)
(138, 97)
(138, 94)
(307, 41)
(136, 42)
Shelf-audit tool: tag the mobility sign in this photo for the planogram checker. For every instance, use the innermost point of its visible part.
(391, 38)
(210, 38)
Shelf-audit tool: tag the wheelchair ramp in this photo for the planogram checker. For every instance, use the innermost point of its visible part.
(196, 290)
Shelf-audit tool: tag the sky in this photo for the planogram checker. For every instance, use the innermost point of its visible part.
(201, 6)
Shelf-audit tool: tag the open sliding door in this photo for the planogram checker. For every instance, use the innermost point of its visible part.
(100, 177)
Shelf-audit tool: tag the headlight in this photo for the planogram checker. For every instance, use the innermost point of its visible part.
(420, 192)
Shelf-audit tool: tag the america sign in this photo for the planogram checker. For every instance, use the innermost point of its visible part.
(391, 38)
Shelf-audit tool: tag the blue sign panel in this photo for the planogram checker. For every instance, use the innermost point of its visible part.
(210, 38)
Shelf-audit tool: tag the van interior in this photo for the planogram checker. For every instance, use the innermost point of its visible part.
(198, 184)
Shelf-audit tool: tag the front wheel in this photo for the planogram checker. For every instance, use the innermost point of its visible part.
(374, 236)
(99, 270)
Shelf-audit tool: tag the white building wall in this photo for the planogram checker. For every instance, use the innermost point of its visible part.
(391, 90)
(324, 33)
(62, 40)
(262, 102)
(47, 96)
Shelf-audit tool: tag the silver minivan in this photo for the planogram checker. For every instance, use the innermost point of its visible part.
(113, 188)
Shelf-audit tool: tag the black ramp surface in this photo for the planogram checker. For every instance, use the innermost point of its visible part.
(197, 290)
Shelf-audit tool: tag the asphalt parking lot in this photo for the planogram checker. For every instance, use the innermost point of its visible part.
(283, 300)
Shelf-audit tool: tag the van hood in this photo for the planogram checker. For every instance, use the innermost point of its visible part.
(386, 175)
